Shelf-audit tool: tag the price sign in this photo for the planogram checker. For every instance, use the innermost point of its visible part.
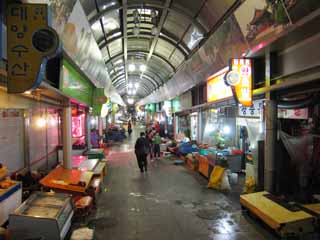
(30, 43)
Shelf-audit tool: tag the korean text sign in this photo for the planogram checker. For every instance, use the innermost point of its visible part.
(217, 89)
(240, 79)
(24, 61)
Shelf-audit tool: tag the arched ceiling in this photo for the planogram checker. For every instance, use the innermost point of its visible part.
(181, 25)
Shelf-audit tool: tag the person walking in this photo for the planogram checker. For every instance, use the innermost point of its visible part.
(141, 150)
(156, 145)
(129, 128)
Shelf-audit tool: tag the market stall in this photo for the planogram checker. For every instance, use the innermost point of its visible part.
(10, 195)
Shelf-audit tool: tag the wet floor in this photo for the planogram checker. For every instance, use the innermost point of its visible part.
(168, 202)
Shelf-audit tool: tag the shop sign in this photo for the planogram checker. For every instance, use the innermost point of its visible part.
(301, 113)
(254, 111)
(239, 78)
(74, 85)
(167, 107)
(30, 43)
(216, 87)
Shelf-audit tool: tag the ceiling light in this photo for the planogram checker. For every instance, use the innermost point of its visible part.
(136, 31)
(153, 13)
(136, 85)
(130, 85)
(130, 100)
(132, 67)
(27, 92)
(143, 68)
(130, 92)
(154, 30)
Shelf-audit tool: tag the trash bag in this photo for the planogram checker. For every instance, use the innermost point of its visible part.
(250, 185)
(216, 177)
(225, 185)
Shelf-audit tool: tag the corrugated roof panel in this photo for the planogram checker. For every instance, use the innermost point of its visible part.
(176, 24)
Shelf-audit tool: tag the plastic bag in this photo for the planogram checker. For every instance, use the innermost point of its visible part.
(250, 185)
(225, 185)
(216, 177)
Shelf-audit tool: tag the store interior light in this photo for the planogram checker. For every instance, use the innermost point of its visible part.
(130, 85)
(132, 67)
(226, 130)
(136, 85)
(53, 122)
(130, 100)
(41, 122)
(27, 92)
(93, 121)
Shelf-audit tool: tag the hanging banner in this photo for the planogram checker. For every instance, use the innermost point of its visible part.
(216, 87)
(239, 78)
(30, 43)
(301, 113)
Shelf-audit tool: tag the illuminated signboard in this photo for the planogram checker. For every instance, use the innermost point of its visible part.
(216, 87)
(240, 79)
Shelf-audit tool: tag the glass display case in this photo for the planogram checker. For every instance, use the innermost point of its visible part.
(44, 216)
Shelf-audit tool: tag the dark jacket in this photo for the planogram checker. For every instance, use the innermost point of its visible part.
(142, 146)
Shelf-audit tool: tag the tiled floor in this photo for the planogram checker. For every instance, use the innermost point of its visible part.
(167, 203)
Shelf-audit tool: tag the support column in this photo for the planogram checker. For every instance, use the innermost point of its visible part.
(270, 117)
(270, 142)
(67, 137)
(100, 126)
(88, 130)
(26, 127)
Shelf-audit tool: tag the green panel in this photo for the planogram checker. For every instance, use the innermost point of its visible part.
(151, 107)
(176, 107)
(74, 85)
(98, 100)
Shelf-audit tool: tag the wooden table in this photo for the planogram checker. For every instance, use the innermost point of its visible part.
(67, 180)
(96, 153)
(279, 218)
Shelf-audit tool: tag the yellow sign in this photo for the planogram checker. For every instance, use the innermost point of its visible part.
(30, 41)
(240, 78)
(216, 88)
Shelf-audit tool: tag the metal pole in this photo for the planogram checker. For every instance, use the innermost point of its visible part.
(270, 117)
(47, 142)
(66, 132)
(26, 127)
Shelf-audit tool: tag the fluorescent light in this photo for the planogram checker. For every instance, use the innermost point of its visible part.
(130, 100)
(143, 68)
(130, 85)
(118, 62)
(132, 67)
(136, 85)
(110, 25)
(93, 121)
(96, 26)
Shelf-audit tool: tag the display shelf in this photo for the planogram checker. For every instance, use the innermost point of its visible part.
(43, 216)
